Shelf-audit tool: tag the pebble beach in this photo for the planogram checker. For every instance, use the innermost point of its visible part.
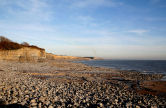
(61, 84)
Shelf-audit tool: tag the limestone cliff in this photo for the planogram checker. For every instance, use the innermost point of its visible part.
(53, 57)
(23, 54)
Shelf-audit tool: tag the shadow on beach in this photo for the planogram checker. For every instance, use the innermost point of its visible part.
(2, 105)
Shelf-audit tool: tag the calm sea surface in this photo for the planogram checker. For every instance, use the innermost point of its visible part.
(145, 66)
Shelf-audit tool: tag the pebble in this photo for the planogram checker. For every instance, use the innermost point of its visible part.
(34, 104)
(50, 106)
(40, 105)
(33, 101)
(100, 104)
(139, 106)
(42, 99)
(47, 103)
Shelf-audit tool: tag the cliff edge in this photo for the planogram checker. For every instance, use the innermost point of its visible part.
(10, 50)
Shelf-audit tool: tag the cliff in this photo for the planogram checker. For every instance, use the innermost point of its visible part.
(23, 54)
(53, 57)
(10, 50)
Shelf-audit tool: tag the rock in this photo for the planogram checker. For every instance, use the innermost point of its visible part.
(23, 103)
(88, 104)
(33, 100)
(40, 105)
(34, 104)
(101, 104)
(42, 99)
(87, 99)
(69, 105)
(47, 103)
(84, 101)
(116, 101)
(50, 106)
(14, 101)
(55, 98)
(34, 107)
(129, 104)
(139, 106)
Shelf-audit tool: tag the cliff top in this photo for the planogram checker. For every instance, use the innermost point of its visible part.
(7, 44)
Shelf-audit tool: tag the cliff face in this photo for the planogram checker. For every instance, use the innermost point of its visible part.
(53, 57)
(23, 54)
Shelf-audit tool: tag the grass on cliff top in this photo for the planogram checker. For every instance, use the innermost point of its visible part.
(7, 44)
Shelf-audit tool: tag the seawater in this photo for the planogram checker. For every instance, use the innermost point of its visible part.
(145, 66)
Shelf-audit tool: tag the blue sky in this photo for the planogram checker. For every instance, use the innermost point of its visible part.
(114, 29)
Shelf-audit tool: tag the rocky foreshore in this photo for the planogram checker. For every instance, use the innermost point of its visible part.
(64, 84)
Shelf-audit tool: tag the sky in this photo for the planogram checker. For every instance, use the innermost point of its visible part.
(112, 29)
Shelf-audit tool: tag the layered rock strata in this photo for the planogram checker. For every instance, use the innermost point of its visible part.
(23, 54)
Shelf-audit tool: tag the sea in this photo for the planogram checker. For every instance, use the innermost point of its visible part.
(144, 66)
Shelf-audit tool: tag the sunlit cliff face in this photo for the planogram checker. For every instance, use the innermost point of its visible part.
(23, 54)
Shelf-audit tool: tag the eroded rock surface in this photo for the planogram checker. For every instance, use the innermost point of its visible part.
(23, 54)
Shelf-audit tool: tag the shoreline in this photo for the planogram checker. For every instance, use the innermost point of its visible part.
(152, 86)
(72, 84)
(130, 70)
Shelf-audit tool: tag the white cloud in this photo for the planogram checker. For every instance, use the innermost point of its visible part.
(139, 31)
(25, 17)
(32, 10)
(94, 3)
(99, 32)
(27, 27)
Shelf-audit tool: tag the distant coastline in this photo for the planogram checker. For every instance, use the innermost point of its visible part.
(144, 66)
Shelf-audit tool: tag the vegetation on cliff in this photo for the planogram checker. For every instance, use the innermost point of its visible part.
(7, 44)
